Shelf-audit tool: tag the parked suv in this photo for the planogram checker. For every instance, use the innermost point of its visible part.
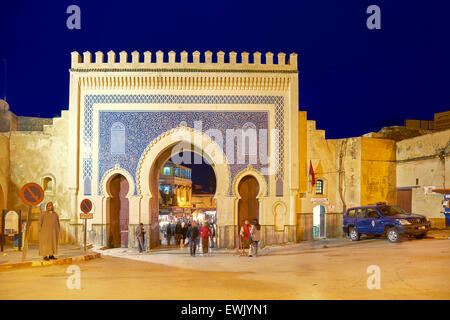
(384, 220)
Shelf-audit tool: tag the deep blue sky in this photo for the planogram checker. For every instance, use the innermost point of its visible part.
(352, 80)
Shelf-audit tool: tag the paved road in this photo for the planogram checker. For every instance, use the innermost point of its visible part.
(415, 269)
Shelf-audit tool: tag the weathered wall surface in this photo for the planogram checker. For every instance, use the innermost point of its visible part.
(4, 169)
(32, 123)
(378, 171)
(321, 154)
(8, 121)
(422, 163)
(348, 162)
(41, 157)
(315, 149)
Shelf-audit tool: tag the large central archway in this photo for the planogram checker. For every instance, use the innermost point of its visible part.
(157, 154)
(186, 195)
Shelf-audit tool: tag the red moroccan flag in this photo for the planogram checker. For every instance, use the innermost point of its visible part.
(311, 172)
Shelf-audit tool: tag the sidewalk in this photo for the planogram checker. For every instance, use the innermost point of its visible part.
(67, 254)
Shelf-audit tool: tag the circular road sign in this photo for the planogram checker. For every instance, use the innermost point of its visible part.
(86, 205)
(32, 194)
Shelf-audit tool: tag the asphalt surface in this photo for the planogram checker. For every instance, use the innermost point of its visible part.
(411, 269)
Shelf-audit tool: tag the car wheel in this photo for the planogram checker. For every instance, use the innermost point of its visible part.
(354, 234)
(393, 235)
(420, 236)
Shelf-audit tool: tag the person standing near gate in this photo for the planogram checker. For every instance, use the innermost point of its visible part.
(245, 235)
(213, 233)
(140, 236)
(255, 235)
(205, 233)
(48, 233)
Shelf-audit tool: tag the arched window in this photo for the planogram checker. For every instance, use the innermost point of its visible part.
(280, 215)
(319, 187)
(118, 138)
(48, 184)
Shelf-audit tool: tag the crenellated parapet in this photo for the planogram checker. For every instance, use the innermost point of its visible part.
(183, 62)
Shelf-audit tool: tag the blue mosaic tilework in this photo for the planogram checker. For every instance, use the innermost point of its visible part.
(89, 100)
(144, 126)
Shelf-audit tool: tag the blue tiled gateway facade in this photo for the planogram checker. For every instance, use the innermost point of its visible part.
(127, 112)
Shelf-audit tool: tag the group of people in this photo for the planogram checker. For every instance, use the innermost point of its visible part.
(178, 231)
(184, 233)
(250, 235)
(205, 233)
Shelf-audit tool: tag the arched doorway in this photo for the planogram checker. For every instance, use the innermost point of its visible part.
(187, 186)
(248, 205)
(156, 155)
(118, 212)
(319, 222)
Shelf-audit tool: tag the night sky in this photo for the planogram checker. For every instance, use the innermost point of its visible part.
(352, 80)
(200, 171)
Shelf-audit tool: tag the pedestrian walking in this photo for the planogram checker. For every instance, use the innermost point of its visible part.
(140, 236)
(48, 233)
(184, 232)
(169, 233)
(178, 233)
(205, 234)
(255, 236)
(192, 234)
(213, 233)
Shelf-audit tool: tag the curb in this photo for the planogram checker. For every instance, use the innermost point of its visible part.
(440, 238)
(71, 260)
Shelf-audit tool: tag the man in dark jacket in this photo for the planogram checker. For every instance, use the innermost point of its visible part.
(140, 236)
(213, 233)
(178, 233)
(184, 232)
(193, 234)
(169, 233)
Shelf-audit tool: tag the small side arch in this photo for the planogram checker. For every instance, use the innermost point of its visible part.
(257, 175)
(279, 212)
(104, 184)
(48, 183)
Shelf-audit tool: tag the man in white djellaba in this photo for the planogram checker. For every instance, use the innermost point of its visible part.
(48, 233)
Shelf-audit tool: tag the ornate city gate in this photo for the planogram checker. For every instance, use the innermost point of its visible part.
(132, 115)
